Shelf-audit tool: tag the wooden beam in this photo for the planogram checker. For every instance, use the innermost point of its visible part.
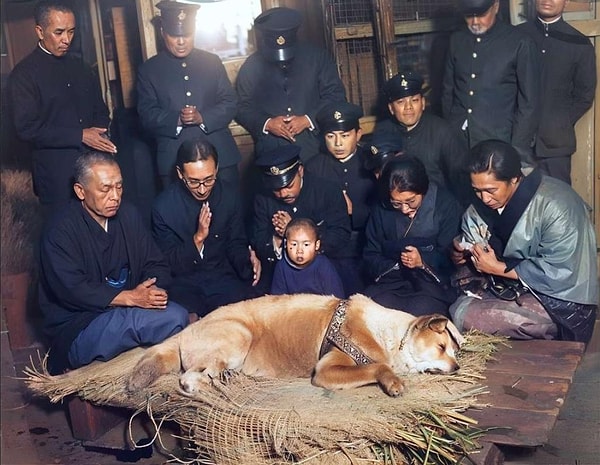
(362, 30)
(123, 47)
(145, 13)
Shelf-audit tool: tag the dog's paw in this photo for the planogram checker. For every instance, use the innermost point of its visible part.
(392, 385)
(192, 382)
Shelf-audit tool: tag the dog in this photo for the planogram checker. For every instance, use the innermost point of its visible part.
(340, 344)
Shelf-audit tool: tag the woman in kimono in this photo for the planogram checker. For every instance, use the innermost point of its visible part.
(531, 242)
(409, 240)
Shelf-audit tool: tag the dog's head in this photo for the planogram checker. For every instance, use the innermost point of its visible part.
(431, 344)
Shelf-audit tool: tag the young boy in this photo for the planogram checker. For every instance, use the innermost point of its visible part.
(303, 269)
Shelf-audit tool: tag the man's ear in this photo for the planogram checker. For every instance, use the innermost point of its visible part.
(39, 31)
(391, 109)
(318, 244)
(79, 191)
(359, 134)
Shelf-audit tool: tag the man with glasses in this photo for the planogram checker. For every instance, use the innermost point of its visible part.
(103, 280)
(198, 223)
(290, 192)
(184, 93)
(492, 80)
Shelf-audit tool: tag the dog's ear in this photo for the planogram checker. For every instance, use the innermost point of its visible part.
(440, 323)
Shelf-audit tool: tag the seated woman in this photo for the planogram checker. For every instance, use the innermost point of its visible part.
(409, 239)
(532, 245)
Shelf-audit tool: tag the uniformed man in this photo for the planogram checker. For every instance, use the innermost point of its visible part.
(341, 162)
(290, 192)
(568, 85)
(284, 84)
(184, 93)
(422, 134)
(492, 80)
(384, 146)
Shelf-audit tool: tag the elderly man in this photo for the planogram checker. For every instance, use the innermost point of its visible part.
(102, 277)
(198, 224)
(284, 84)
(423, 134)
(57, 105)
(568, 85)
(492, 80)
(292, 193)
(184, 93)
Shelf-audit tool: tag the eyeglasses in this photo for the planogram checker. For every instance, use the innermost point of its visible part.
(412, 203)
(196, 183)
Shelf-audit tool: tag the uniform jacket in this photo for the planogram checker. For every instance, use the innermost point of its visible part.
(434, 142)
(359, 184)
(175, 221)
(73, 289)
(320, 201)
(433, 229)
(265, 90)
(545, 235)
(568, 84)
(166, 84)
(53, 99)
(493, 82)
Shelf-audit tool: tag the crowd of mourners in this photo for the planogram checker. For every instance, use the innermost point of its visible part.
(469, 214)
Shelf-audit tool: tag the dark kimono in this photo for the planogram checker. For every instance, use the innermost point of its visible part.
(435, 225)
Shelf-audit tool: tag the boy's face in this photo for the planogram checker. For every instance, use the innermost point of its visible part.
(342, 144)
(302, 245)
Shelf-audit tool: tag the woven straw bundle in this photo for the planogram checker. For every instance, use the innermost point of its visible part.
(242, 420)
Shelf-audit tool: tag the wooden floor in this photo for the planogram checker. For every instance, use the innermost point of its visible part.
(36, 433)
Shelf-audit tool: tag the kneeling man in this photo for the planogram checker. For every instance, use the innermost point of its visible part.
(102, 277)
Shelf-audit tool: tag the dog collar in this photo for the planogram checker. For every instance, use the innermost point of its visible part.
(405, 337)
(334, 338)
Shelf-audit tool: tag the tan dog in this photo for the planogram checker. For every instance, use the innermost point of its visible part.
(341, 344)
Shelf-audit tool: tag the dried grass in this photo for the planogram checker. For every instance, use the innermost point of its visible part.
(20, 222)
(265, 421)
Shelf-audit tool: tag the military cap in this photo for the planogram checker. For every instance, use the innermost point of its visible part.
(384, 146)
(474, 7)
(177, 19)
(279, 165)
(342, 116)
(277, 29)
(403, 85)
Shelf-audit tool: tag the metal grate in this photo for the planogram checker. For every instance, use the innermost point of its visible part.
(346, 12)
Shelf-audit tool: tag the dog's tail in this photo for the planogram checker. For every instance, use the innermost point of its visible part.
(158, 360)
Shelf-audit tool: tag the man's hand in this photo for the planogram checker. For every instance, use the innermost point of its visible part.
(204, 218)
(280, 221)
(144, 295)
(190, 116)
(296, 124)
(96, 138)
(256, 267)
(411, 258)
(278, 126)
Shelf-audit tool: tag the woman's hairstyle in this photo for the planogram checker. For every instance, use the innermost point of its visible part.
(404, 173)
(299, 223)
(85, 162)
(195, 150)
(495, 157)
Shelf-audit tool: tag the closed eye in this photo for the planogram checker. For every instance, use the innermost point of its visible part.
(442, 347)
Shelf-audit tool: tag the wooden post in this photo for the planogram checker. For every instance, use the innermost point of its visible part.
(383, 18)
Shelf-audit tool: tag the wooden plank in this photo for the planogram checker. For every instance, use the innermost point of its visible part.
(525, 392)
(527, 383)
(514, 427)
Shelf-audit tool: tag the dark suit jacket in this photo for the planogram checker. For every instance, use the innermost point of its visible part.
(166, 84)
(568, 84)
(493, 81)
(53, 99)
(265, 90)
